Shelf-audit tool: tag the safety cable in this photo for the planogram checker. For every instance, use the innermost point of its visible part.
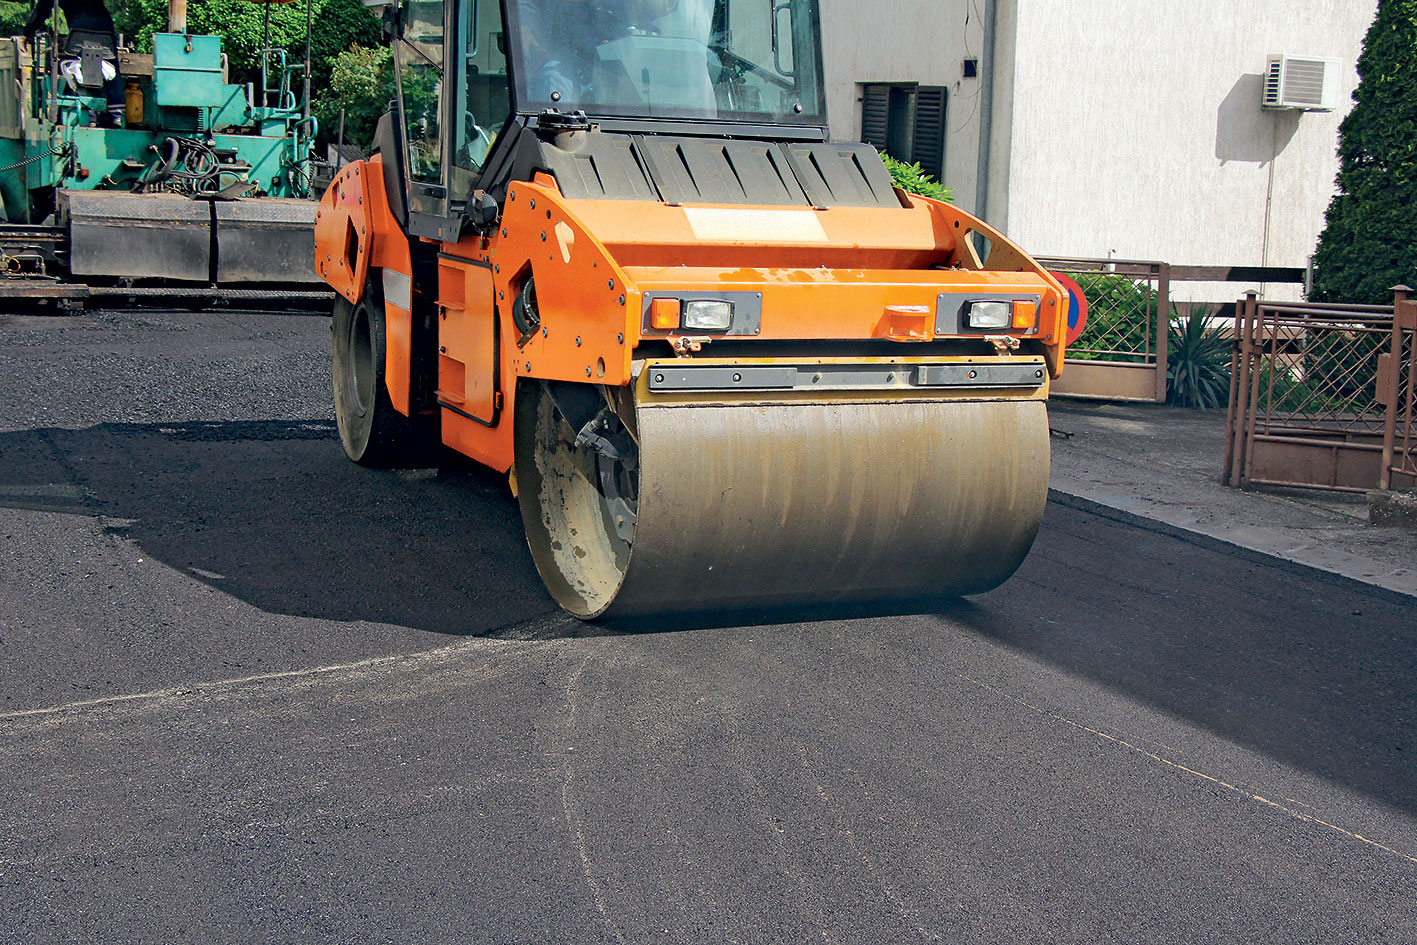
(60, 150)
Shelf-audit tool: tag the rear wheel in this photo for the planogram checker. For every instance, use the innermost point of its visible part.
(372, 432)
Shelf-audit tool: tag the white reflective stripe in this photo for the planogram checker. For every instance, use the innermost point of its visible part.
(757, 226)
(73, 70)
(398, 289)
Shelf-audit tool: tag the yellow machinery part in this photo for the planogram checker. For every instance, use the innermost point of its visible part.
(744, 503)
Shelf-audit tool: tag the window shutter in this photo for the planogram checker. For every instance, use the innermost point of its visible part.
(875, 115)
(928, 144)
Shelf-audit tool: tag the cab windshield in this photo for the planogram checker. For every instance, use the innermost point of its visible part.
(735, 60)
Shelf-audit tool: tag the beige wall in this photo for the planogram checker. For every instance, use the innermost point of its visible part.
(924, 41)
(1130, 127)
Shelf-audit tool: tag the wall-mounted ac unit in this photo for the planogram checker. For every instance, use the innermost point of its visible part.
(1307, 83)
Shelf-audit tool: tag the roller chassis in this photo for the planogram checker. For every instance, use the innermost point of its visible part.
(846, 437)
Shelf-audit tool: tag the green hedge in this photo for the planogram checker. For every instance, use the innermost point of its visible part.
(340, 58)
(336, 24)
(12, 17)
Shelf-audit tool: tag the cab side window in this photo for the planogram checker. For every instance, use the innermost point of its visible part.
(482, 99)
(420, 76)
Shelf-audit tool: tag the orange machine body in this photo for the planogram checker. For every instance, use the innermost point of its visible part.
(355, 231)
(845, 274)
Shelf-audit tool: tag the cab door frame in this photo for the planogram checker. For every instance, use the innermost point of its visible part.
(429, 213)
(433, 213)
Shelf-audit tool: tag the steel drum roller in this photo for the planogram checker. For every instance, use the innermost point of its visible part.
(744, 504)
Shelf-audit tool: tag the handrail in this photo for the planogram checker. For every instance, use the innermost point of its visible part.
(1283, 274)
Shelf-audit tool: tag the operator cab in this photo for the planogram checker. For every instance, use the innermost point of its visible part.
(617, 99)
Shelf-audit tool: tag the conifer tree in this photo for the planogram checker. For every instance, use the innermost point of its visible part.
(1369, 242)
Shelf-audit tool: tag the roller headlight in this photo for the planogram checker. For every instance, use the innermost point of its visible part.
(990, 314)
(710, 315)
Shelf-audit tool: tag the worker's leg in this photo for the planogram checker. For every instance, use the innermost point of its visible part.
(113, 91)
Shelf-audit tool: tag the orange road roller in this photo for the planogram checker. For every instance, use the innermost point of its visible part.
(606, 247)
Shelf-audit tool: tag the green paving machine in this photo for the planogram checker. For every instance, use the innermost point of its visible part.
(202, 189)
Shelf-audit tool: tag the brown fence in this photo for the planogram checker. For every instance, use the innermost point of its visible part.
(1122, 354)
(1397, 386)
(1313, 401)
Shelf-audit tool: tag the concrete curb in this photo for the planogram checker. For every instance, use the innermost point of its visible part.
(1162, 464)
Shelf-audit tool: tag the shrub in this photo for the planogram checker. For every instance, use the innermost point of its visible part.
(1286, 393)
(1197, 360)
(361, 83)
(912, 179)
(12, 17)
(1369, 242)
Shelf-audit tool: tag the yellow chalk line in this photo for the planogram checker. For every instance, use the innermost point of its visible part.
(1297, 814)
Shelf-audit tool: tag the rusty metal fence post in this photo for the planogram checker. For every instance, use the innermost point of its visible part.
(1233, 400)
(1406, 316)
(1390, 378)
(1239, 389)
(1254, 346)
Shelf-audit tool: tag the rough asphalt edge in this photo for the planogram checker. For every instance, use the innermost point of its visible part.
(1395, 588)
(548, 626)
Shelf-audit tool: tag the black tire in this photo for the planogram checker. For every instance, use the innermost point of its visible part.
(372, 432)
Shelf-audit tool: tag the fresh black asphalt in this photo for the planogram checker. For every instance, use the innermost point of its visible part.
(250, 692)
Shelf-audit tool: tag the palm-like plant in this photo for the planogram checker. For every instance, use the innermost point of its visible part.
(1197, 360)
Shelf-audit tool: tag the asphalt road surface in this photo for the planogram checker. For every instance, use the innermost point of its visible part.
(250, 692)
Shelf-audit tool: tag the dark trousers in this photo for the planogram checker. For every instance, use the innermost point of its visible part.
(117, 100)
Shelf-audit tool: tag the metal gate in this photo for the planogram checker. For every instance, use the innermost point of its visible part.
(1122, 353)
(1313, 402)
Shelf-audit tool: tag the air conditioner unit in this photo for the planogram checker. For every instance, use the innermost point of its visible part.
(1307, 83)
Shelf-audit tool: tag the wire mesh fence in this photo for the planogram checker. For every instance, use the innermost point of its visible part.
(1121, 353)
(1127, 306)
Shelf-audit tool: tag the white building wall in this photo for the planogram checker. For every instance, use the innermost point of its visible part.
(1137, 130)
(1130, 127)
